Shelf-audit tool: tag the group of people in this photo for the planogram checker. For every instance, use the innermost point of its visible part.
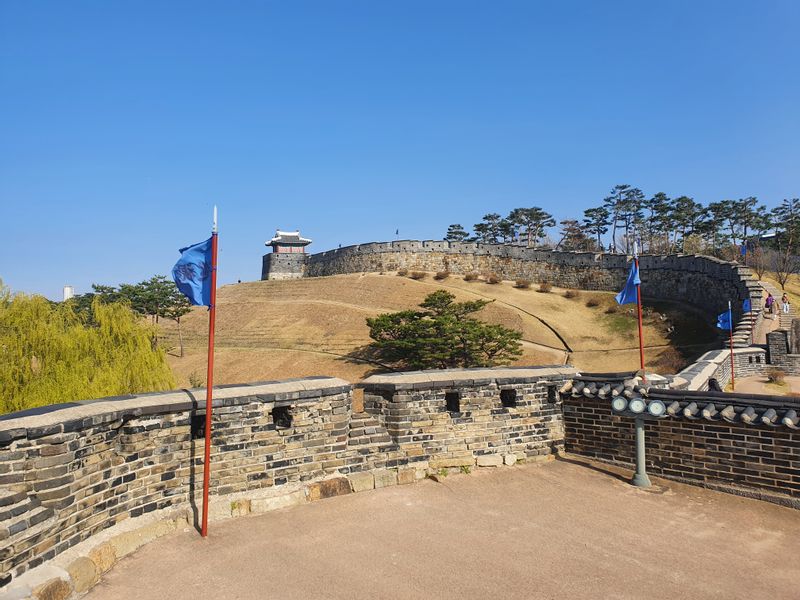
(771, 307)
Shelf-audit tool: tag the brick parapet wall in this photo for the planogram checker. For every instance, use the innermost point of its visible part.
(759, 461)
(69, 472)
(413, 409)
(717, 364)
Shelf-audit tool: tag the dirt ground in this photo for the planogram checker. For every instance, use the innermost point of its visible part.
(568, 529)
(280, 329)
(758, 384)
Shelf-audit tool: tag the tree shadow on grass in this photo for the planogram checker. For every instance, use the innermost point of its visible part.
(367, 355)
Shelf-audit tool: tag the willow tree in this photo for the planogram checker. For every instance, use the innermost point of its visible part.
(49, 353)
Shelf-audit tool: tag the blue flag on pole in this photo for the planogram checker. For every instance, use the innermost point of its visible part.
(192, 273)
(746, 305)
(724, 321)
(628, 294)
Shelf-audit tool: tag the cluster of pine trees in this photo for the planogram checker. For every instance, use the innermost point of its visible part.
(659, 224)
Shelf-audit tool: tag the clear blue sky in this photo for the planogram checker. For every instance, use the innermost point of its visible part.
(122, 123)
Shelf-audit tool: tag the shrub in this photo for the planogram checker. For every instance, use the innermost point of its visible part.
(545, 287)
(402, 272)
(592, 302)
(441, 275)
(492, 278)
(471, 277)
(196, 380)
(612, 310)
(522, 284)
(777, 376)
(572, 294)
(417, 275)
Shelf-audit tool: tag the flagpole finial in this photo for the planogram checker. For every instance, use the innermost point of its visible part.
(214, 226)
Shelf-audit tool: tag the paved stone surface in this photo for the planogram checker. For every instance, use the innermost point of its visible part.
(567, 529)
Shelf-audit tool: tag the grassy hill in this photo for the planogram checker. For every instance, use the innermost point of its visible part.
(280, 329)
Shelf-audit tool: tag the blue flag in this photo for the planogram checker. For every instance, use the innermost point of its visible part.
(628, 294)
(724, 320)
(192, 273)
(743, 249)
(746, 306)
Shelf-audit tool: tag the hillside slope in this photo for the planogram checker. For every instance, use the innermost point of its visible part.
(279, 329)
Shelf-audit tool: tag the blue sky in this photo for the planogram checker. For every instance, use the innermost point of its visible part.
(122, 123)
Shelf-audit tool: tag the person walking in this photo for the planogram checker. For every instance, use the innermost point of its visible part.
(785, 303)
(769, 303)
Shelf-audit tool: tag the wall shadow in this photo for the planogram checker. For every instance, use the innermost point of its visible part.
(193, 459)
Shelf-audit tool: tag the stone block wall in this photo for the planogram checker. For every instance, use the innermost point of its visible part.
(753, 460)
(705, 282)
(779, 344)
(68, 472)
(717, 364)
(460, 418)
(276, 265)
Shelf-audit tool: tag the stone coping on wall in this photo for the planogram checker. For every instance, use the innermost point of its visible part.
(446, 378)
(697, 374)
(74, 416)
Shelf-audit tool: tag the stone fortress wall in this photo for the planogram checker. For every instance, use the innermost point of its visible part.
(283, 266)
(84, 484)
(705, 282)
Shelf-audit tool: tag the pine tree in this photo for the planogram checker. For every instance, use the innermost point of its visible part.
(442, 335)
(456, 233)
(596, 221)
(534, 220)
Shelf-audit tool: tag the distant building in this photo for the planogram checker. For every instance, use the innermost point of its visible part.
(69, 292)
(288, 257)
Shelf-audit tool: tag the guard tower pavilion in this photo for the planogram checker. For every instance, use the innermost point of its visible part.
(288, 257)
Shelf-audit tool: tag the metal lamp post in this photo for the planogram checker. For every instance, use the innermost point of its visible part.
(640, 409)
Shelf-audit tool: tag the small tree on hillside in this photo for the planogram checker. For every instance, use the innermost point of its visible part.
(442, 335)
(177, 306)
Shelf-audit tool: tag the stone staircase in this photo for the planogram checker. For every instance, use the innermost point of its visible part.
(785, 319)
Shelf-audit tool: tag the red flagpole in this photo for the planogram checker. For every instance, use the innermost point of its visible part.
(730, 321)
(212, 313)
(639, 311)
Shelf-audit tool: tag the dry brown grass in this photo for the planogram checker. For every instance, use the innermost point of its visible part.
(280, 329)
